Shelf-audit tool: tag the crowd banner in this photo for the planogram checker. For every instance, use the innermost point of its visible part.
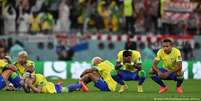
(178, 10)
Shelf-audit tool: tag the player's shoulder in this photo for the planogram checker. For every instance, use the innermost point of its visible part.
(175, 49)
(30, 63)
(160, 51)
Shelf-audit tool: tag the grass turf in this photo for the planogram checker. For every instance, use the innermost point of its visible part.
(191, 90)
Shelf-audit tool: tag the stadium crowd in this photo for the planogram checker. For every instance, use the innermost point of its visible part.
(47, 16)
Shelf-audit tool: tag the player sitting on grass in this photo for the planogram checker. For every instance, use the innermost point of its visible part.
(8, 74)
(100, 74)
(23, 64)
(129, 68)
(172, 66)
(39, 84)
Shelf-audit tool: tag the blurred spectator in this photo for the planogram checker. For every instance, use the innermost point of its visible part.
(146, 51)
(15, 49)
(34, 20)
(64, 13)
(129, 11)
(115, 14)
(187, 51)
(47, 22)
(105, 14)
(9, 15)
(23, 22)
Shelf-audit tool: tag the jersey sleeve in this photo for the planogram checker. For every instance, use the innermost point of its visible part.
(138, 58)
(158, 56)
(31, 64)
(178, 56)
(3, 64)
(120, 56)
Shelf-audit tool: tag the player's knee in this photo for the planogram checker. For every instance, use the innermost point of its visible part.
(151, 71)
(142, 74)
(15, 80)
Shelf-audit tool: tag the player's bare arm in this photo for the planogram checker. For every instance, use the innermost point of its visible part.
(138, 66)
(33, 88)
(118, 65)
(155, 68)
(178, 67)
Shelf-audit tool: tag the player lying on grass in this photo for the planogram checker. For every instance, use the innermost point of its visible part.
(100, 75)
(172, 66)
(129, 68)
(39, 84)
(8, 74)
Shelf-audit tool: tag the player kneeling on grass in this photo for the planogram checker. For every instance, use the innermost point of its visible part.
(129, 68)
(38, 84)
(8, 74)
(100, 74)
(172, 66)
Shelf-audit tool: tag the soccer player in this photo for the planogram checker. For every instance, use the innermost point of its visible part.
(39, 84)
(8, 73)
(129, 68)
(23, 64)
(100, 75)
(172, 66)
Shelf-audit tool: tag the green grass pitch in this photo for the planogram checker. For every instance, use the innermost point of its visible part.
(192, 89)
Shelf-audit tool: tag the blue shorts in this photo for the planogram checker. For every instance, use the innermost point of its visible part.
(127, 75)
(2, 82)
(15, 80)
(102, 85)
(58, 88)
(171, 76)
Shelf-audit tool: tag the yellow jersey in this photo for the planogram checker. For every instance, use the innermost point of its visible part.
(47, 87)
(136, 59)
(3, 64)
(105, 69)
(169, 60)
(21, 69)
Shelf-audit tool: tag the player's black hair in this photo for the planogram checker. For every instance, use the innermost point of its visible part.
(127, 53)
(168, 40)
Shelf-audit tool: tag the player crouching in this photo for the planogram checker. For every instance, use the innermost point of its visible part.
(172, 66)
(39, 84)
(100, 75)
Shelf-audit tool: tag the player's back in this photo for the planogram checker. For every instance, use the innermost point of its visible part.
(47, 87)
(105, 69)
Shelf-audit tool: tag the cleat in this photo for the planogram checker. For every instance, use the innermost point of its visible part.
(84, 87)
(163, 90)
(140, 89)
(123, 88)
(179, 90)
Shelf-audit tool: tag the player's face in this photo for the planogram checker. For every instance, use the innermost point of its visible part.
(127, 59)
(167, 46)
(22, 59)
(97, 61)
